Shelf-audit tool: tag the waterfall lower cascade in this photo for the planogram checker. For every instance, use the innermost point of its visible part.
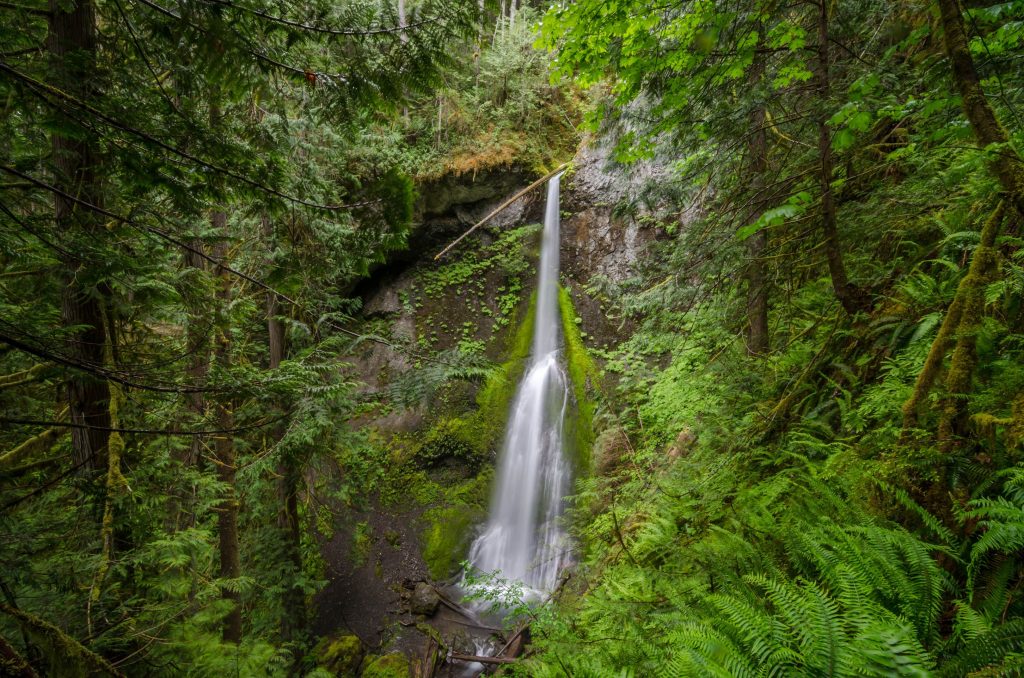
(523, 541)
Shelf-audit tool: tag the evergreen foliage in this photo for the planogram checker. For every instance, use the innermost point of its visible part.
(187, 196)
(807, 446)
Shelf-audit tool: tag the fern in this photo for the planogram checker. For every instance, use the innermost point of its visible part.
(927, 519)
(987, 650)
(416, 386)
(1002, 521)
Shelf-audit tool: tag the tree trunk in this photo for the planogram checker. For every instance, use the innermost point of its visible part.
(224, 447)
(757, 282)
(1006, 164)
(293, 621)
(72, 46)
(198, 342)
(225, 455)
(402, 21)
(13, 663)
(983, 271)
(481, 8)
(851, 297)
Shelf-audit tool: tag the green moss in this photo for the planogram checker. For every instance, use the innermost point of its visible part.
(452, 439)
(495, 397)
(446, 539)
(394, 665)
(449, 527)
(360, 543)
(340, 655)
(585, 380)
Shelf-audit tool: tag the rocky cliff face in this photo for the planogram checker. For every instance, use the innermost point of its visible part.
(594, 240)
(600, 240)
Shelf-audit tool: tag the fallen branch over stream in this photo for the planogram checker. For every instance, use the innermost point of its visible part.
(483, 660)
(438, 651)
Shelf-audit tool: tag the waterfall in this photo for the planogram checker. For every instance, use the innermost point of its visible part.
(523, 540)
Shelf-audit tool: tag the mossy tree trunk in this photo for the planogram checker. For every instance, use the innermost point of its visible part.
(225, 454)
(12, 663)
(983, 271)
(965, 313)
(294, 617)
(198, 342)
(961, 324)
(64, 655)
(75, 162)
(1005, 162)
(224, 445)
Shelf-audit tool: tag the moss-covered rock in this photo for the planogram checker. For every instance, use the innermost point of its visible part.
(394, 665)
(424, 600)
(453, 443)
(341, 655)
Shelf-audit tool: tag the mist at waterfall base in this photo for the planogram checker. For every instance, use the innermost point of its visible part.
(523, 548)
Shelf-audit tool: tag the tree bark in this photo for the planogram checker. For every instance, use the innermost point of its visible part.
(293, 620)
(1006, 163)
(225, 454)
(481, 8)
(402, 21)
(224, 447)
(72, 46)
(850, 297)
(13, 663)
(198, 341)
(961, 323)
(983, 271)
(757, 281)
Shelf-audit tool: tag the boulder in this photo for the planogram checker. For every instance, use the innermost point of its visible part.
(424, 600)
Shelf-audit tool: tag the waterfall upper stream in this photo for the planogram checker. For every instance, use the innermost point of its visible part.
(523, 540)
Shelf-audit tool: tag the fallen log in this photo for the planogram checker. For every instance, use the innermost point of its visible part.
(493, 629)
(482, 660)
(465, 612)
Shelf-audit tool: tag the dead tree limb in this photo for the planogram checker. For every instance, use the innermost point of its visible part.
(500, 208)
(482, 660)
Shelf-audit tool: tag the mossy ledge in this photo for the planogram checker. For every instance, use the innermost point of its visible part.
(585, 378)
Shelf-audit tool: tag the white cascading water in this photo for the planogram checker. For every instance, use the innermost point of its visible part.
(523, 540)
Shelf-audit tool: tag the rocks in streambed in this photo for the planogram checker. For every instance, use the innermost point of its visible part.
(424, 600)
